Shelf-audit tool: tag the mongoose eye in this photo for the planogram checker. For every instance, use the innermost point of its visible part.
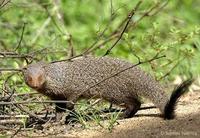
(30, 79)
(24, 68)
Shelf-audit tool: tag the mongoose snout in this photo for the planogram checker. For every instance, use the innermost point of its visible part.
(35, 76)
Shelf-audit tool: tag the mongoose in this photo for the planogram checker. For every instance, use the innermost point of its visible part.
(71, 80)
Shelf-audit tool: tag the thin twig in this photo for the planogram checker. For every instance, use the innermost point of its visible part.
(3, 127)
(123, 31)
(21, 37)
(168, 73)
(133, 24)
(71, 47)
(94, 103)
(10, 121)
(28, 112)
(13, 116)
(7, 90)
(92, 48)
(54, 21)
(116, 33)
(10, 69)
(28, 102)
(160, 8)
(4, 4)
(148, 13)
(16, 132)
(27, 93)
(16, 55)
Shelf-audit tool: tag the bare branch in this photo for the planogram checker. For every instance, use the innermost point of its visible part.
(123, 31)
(29, 102)
(28, 112)
(150, 12)
(16, 132)
(21, 37)
(9, 121)
(168, 73)
(160, 8)
(118, 34)
(4, 3)
(92, 48)
(16, 55)
(71, 47)
(10, 69)
(13, 116)
(138, 58)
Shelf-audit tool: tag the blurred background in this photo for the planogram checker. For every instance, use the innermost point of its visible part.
(33, 30)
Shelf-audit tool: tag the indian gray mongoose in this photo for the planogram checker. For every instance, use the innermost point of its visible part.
(71, 80)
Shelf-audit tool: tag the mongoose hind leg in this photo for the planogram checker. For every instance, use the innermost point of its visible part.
(132, 106)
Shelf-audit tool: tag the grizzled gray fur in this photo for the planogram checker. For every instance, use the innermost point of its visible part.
(71, 80)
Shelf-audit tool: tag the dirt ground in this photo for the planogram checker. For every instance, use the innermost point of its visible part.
(146, 123)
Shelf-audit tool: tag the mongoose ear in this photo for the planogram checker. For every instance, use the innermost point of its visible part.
(24, 68)
(29, 61)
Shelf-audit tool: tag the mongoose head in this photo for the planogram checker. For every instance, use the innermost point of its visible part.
(34, 75)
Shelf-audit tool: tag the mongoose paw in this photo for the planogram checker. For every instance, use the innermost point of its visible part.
(61, 117)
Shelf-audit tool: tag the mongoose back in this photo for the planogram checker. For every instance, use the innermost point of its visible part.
(71, 80)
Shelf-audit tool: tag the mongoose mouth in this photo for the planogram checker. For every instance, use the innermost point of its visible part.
(37, 87)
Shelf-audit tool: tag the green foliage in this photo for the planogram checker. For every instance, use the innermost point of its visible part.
(174, 31)
(85, 113)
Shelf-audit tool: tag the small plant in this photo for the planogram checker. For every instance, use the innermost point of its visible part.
(113, 120)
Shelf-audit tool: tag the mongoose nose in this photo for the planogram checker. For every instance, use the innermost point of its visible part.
(34, 84)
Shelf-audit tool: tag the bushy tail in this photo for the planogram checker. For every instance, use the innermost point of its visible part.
(176, 94)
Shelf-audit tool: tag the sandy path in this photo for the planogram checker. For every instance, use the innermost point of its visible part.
(148, 124)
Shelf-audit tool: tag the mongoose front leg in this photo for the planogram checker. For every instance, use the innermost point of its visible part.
(60, 107)
(70, 106)
(60, 111)
(132, 106)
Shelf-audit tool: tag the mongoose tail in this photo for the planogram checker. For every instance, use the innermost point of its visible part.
(176, 94)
